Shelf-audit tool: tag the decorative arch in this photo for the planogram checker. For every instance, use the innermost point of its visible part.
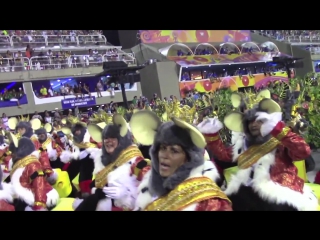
(270, 44)
(205, 44)
(229, 44)
(171, 50)
(243, 45)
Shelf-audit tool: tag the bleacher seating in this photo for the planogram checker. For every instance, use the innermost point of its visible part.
(291, 35)
(56, 49)
(306, 39)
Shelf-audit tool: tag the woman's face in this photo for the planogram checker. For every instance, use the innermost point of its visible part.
(170, 159)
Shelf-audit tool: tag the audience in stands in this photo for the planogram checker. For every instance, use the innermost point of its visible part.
(295, 35)
(56, 58)
(231, 72)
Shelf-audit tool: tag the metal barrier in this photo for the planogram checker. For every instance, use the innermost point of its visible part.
(303, 39)
(61, 40)
(51, 40)
(14, 64)
(291, 39)
(314, 50)
(91, 39)
(120, 56)
(5, 41)
(62, 62)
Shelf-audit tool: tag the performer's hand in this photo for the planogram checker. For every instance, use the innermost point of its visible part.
(269, 121)
(210, 126)
(66, 156)
(115, 190)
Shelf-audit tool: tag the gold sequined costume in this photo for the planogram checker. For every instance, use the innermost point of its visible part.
(188, 189)
(125, 166)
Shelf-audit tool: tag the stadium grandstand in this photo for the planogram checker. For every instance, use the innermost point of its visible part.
(56, 49)
(307, 39)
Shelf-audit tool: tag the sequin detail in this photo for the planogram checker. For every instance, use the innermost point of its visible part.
(124, 157)
(193, 190)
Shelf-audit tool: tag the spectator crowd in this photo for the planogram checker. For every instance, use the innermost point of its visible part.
(33, 58)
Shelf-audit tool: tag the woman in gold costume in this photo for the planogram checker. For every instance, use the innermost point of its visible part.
(180, 179)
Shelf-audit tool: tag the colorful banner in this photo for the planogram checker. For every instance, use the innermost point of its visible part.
(194, 36)
(188, 61)
(80, 102)
(234, 83)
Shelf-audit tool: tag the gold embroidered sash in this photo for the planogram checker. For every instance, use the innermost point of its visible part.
(193, 190)
(85, 145)
(101, 177)
(23, 162)
(45, 143)
(254, 153)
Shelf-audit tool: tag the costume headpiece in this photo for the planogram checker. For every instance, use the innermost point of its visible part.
(33, 124)
(168, 110)
(20, 147)
(147, 128)
(101, 117)
(70, 123)
(96, 130)
(233, 121)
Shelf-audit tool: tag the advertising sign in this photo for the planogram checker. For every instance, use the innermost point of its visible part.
(194, 36)
(80, 102)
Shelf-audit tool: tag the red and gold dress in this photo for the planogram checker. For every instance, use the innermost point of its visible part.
(268, 168)
(6, 199)
(43, 157)
(29, 184)
(196, 193)
(5, 156)
(127, 170)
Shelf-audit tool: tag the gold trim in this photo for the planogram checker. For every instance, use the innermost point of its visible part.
(45, 143)
(283, 133)
(85, 145)
(23, 162)
(212, 139)
(40, 204)
(128, 153)
(193, 190)
(254, 153)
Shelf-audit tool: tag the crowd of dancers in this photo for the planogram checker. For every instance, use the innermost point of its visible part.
(168, 158)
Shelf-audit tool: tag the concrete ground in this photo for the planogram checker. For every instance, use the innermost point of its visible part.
(316, 157)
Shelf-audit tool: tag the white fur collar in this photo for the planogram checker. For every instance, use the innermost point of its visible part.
(144, 198)
(86, 138)
(238, 144)
(6, 193)
(270, 190)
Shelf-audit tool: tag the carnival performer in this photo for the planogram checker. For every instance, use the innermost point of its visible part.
(82, 144)
(53, 149)
(26, 129)
(29, 186)
(180, 179)
(5, 156)
(6, 199)
(264, 149)
(119, 167)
